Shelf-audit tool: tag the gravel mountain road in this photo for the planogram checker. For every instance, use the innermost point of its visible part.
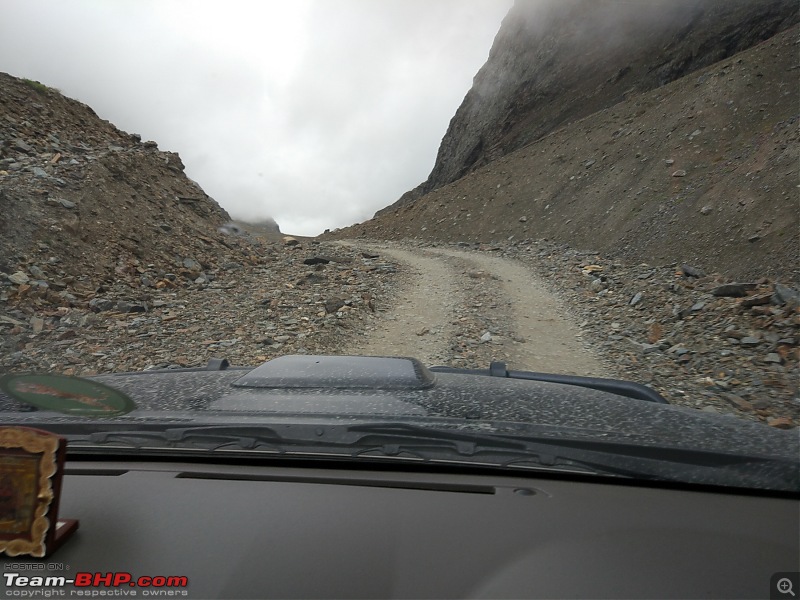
(452, 302)
(699, 339)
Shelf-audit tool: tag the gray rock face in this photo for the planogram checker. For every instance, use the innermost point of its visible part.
(19, 278)
(555, 62)
(266, 225)
(733, 290)
(784, 295)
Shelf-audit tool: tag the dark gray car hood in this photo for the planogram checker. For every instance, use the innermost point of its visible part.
(356, 389)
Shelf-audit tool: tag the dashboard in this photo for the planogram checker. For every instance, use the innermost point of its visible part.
(238, 531)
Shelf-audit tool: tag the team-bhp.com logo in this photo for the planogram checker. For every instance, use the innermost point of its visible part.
(93, 584)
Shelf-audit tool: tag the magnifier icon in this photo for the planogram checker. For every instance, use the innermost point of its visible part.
(784, 586)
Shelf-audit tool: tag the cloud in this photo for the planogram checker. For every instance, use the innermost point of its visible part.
(316, 113)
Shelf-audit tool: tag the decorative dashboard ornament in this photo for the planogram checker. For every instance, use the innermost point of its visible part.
(70, 395)
(31, 470)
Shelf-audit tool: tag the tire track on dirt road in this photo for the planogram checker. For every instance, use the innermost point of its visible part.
(425, 301)
(550, 339)
(438, 287)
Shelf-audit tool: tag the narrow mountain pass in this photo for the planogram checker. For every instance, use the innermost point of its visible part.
(467, 309)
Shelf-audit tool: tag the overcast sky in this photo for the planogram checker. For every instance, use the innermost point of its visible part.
(314, 112)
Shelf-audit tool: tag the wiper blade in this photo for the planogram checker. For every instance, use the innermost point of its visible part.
(437, 444)
(211, 437)
(248, 438)
(665, 463)
(389, 441)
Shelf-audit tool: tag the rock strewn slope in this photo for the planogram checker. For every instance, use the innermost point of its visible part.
(299, 298)
(83, 201)
(111, 259)
(702, 170)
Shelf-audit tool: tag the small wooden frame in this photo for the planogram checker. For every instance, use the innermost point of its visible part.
(31, 469)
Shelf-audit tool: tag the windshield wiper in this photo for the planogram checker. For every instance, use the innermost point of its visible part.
(205, 437)
(656, 462)
(435, 444)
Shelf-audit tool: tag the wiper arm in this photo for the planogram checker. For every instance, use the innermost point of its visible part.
(211, 437)
(608, 457)
(435, 444)
(367, 441)
(687, 456)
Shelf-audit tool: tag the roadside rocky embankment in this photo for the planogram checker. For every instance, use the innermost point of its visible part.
(112, 259)
(700, 339)
(297, 297)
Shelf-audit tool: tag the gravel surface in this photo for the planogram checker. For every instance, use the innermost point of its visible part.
(468, 309)
(700, 340)
(244, 312)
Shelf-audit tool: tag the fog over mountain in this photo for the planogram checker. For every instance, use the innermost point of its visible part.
(553, 62)
(314, 112)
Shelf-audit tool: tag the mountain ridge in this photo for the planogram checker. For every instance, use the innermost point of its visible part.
(555, 62)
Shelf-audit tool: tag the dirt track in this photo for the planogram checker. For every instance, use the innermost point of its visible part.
(447, 295)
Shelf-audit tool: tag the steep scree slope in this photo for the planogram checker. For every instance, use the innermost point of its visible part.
(83, 203)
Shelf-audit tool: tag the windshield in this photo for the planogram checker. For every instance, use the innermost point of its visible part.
(530, 199)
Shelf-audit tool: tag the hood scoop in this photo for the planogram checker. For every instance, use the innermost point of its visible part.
(304, 371)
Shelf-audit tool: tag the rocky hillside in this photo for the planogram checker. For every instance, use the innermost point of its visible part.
(83, 202)
(112, 259)
(556, 61)
(702, 170)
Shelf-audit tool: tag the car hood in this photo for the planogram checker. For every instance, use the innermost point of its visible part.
(344, 389)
